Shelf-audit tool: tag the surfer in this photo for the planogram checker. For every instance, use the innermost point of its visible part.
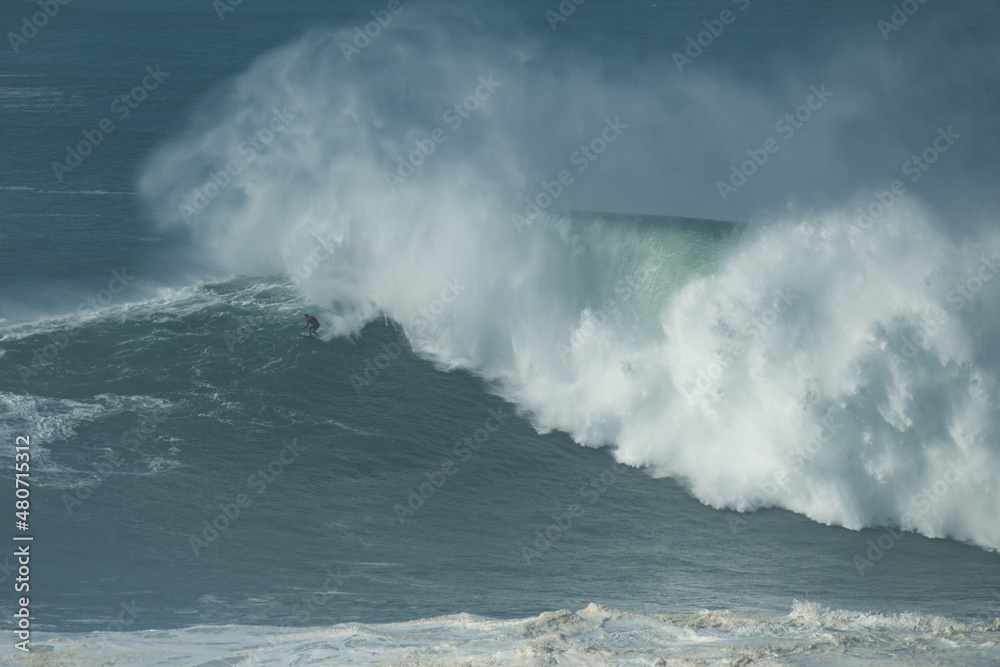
(312, 324)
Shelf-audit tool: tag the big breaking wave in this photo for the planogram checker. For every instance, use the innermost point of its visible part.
(842, 371)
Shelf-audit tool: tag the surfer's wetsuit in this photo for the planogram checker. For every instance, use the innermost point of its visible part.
(312, 324)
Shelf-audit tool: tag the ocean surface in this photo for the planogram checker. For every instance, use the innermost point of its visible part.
(651, 333)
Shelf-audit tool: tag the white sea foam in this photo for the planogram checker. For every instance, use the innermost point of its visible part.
(596, 635)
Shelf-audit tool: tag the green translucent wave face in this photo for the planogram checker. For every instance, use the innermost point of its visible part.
(632, 263)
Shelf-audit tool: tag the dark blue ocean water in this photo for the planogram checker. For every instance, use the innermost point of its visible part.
(196, 462)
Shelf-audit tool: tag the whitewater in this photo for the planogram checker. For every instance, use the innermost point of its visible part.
(596, 635)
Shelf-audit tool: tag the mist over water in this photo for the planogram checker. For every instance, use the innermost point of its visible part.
(838, 365)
